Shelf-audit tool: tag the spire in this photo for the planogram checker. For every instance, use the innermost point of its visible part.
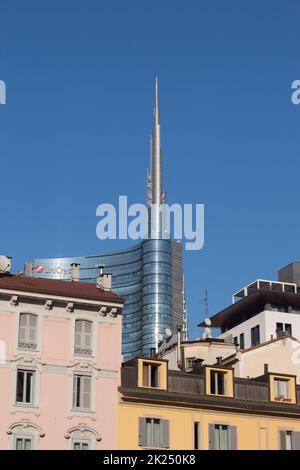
(156, 109)
(155, 196)
(156, 152)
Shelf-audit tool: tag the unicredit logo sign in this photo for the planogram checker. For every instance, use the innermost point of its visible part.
(52, 270)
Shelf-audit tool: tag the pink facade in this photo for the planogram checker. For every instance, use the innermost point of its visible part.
(59, 367)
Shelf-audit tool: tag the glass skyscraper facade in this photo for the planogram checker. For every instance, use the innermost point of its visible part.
(148, 276)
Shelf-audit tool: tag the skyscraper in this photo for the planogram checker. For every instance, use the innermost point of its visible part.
(148, 276)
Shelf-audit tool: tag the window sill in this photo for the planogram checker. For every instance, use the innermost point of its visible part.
(82, 413)
(25, 408)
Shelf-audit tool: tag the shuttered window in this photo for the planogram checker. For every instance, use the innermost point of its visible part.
(82, 392)
(27, 331)
(154, 432)
(222, 437)
(289, 440)
(83, 337)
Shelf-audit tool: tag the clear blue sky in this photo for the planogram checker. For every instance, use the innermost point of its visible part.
(75, 130)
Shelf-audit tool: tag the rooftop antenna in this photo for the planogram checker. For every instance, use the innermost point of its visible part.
(207, 321)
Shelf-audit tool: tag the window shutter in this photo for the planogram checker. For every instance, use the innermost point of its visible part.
(78, 333)
(142, 432)
(87, 334)
(165, 433)
(296, 440)
(211, 437)
(86, 398)
(233, 438)
(282, 436)
(74, 390)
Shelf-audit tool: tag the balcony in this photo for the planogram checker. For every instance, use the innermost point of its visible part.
(83, 351)
(27, 345)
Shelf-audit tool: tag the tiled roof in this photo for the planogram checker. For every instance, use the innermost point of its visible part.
(53, 287)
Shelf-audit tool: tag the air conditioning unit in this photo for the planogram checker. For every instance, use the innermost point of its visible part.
(5, 264)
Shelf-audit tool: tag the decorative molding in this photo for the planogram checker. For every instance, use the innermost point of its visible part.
(70, 307)
(82, 431)
(24, 426)
(14, 300)
(48, 304)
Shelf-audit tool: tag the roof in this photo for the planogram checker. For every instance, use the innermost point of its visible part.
(54, 287)
(253, 304)
(233, 358)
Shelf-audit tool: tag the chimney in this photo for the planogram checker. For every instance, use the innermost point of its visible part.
(219, 361)
(152, 352)
(28, 268)
(266, 369)
(5, 264)
(104, 280)
(75, 272)
(197, 365)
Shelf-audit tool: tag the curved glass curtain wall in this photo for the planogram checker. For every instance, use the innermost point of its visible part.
(142, 276)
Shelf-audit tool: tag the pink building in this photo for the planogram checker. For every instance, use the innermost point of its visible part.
(60, 359)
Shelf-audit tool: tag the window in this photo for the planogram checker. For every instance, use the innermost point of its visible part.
(281, 388)
(27, 331)
(288, 329)
(283, 329)
(189, 362)
(235, 340)
(81, 445)
(82, 392)
(23, 443)
(242, 341)
(196, 436)
(83, 337)
(25, 383)
(289, 440)
(153, 432)
(255, 336)
(150, 375)
(222, 437)
(217, 383)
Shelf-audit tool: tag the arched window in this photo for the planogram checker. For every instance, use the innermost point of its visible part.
(27, 331)
(83, 337)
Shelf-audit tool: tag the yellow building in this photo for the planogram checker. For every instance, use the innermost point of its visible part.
(207, 408)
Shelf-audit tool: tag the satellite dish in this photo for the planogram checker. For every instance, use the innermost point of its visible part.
(207, 322)
(4, 264)
(160, 338)
(168, 332)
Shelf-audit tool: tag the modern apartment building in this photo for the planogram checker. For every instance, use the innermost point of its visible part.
(148, 276)
(60, 358)
(207, 408)
(260, 311)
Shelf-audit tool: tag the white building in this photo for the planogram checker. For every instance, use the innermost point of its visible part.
(265, 310)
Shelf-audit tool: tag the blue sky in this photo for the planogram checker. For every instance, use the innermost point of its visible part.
(75, 130)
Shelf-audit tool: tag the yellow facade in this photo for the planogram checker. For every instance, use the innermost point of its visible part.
(254, 432)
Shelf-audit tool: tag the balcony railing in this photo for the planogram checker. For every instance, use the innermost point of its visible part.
(28, 345)
(83, 351)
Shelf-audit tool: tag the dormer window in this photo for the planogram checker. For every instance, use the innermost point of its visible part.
(283, 388)
(150, 375)
(219, 381)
